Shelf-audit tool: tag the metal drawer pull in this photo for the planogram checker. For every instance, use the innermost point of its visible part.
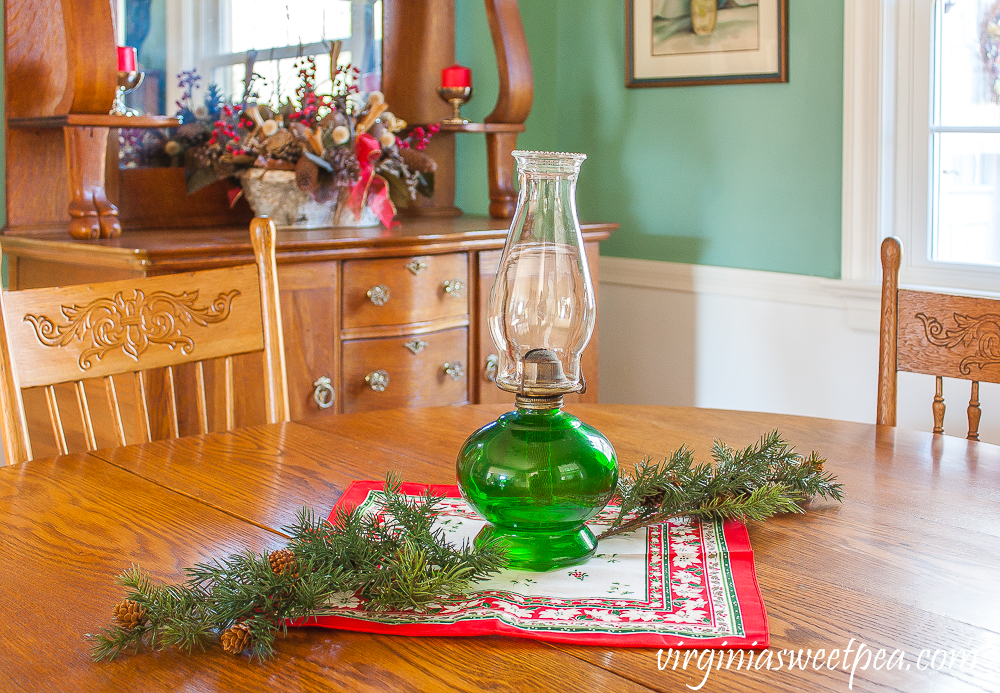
(323, 394)
(492, 364)
(379, 295)
(454, 370)
(416, 346)
(455, 287)
(416, 266)
(379, 380)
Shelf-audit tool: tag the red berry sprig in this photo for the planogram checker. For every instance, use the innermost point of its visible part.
(419, 138)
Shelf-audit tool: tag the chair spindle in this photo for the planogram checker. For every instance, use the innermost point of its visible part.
(145, 432)
(116, 412)
(172, 411)
(202, 404)
(975, 413)
(88, 423)
(230, 397)
(938, 405)
(56, 420)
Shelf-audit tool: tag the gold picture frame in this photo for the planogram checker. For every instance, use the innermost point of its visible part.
(672, 43)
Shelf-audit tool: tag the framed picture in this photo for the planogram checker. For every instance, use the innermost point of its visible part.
(691, 42)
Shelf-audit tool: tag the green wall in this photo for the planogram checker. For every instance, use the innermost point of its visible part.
(737, 175)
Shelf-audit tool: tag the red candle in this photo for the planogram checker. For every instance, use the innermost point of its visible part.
(456, 76)
(127, 61)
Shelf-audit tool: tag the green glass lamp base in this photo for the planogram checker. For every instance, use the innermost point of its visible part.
(537, 476)
(541, 550)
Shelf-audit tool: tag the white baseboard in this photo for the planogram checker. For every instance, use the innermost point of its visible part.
(693, 335)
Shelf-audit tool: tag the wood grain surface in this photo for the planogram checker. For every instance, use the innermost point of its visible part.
(910, 561)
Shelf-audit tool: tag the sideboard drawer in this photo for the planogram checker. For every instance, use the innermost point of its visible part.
(397, 291)
(414, 371)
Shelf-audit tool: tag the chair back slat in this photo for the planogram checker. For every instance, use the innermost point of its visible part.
(65, 334)
(88, 422)
(975, 413)
(230, 394)
(201, 402)
(151, 328)
(56, 420)
(144, 429)
(115, 407)
(951, 336)
(172, 403)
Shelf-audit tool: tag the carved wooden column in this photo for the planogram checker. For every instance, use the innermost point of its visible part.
(418, 42)
(91, 214)
(62, 74)
(517, 93)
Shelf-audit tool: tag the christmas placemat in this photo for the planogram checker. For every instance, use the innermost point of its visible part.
(677, 584)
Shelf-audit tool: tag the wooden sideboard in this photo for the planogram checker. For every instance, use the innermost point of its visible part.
(426, 344)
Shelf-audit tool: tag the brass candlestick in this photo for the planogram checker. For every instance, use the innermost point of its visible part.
(127, 81)
(456, 96)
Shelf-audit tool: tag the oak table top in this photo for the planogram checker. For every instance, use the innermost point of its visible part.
(909, 564)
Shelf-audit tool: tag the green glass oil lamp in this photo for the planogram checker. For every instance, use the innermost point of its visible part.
(537, 474)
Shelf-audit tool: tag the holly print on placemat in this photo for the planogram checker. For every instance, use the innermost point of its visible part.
(671, 578)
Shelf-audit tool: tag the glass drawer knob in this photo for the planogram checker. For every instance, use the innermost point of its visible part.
(454, 370)
(455, 287)
(379, 295)
(379, 380)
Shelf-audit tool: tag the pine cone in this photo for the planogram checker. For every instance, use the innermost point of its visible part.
(283, 562)
(417, 160)
(128, 614)
(307, 175)
(283, 145)
(346, 169)
(653, 499)
(236, 638)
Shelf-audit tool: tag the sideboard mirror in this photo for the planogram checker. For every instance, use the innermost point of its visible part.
(218, 39)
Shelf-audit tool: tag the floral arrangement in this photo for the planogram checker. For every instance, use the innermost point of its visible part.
(341, 147)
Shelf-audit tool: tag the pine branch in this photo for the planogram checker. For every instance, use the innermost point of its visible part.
(394, 559)
(761, 480)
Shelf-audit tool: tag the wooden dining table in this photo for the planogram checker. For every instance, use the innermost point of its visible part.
(908, 563)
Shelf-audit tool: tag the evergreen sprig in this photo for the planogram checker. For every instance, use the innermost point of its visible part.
(754, 483)
(394, 559)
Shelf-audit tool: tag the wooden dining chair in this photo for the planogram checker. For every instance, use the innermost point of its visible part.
(944, 335)
(74, 334)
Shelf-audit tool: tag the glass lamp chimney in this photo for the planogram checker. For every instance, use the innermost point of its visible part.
(542, 308)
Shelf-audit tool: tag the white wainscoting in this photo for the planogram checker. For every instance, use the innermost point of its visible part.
(693, 335)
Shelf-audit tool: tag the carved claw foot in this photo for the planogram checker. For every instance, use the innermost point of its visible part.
(111, 227)
(84, 223)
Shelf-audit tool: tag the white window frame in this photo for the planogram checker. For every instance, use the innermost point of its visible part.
(886, 174)
(190, 43)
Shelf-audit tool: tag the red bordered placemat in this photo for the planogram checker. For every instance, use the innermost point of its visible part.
(677, 584)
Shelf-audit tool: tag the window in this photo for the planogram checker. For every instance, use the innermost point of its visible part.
(946, 206)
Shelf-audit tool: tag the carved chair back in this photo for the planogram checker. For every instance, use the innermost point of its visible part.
(93, 333)
(937, 334)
